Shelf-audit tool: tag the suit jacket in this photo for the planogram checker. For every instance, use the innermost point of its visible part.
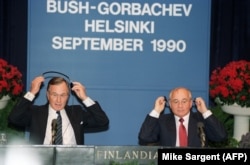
(83, 119)
(162, 131)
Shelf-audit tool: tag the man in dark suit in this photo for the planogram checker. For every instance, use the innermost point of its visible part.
(76, 119)
(163, 129)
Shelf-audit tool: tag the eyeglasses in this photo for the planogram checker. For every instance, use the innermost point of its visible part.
(55, 95)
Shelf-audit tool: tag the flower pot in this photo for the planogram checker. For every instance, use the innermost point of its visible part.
(241, 119)
(4, 101)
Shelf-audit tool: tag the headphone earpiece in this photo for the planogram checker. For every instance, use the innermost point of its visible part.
(71, 85)
(166, 104)
(193, 103)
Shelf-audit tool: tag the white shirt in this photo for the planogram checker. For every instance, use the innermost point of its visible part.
(67, 130)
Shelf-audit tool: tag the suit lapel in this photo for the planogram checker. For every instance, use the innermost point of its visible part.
(192, 133)
(172, 129)
(43, 117)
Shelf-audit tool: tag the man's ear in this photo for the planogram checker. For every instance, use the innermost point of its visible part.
(168, 104)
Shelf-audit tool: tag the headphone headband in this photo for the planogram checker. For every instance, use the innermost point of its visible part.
(55, 73)
(62, 74)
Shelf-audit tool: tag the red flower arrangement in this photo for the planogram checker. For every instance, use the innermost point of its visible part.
(10, 80)
(231, 84)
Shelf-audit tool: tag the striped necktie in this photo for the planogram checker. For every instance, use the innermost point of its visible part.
(59, 139)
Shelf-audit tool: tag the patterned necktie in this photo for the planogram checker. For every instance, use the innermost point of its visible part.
(58, 139)
(53, 130)
(182, 134)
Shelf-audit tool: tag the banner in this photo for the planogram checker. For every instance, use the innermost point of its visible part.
(125, 53)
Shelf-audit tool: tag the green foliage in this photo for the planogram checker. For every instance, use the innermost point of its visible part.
(225, 118)
(228, 122)
(11, 131)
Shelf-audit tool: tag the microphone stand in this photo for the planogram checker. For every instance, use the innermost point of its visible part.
(53, 130)
(202, 134)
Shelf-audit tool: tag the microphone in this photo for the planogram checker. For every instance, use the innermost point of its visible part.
(53, 130)
(202, 134)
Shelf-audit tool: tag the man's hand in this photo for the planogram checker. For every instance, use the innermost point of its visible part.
(79, 90)
(160, 103)
(200, 104)
(36, 84)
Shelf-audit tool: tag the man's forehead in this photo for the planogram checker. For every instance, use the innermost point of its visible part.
(59, 88)
(180, 93)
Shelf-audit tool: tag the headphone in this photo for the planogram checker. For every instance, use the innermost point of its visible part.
(167, 103)
(66, 77)
(46, 75)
